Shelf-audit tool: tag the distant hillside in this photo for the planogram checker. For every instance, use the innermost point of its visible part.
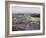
(35, 15)
(32, 14)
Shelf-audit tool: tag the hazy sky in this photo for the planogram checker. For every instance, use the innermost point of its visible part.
(17, 9)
